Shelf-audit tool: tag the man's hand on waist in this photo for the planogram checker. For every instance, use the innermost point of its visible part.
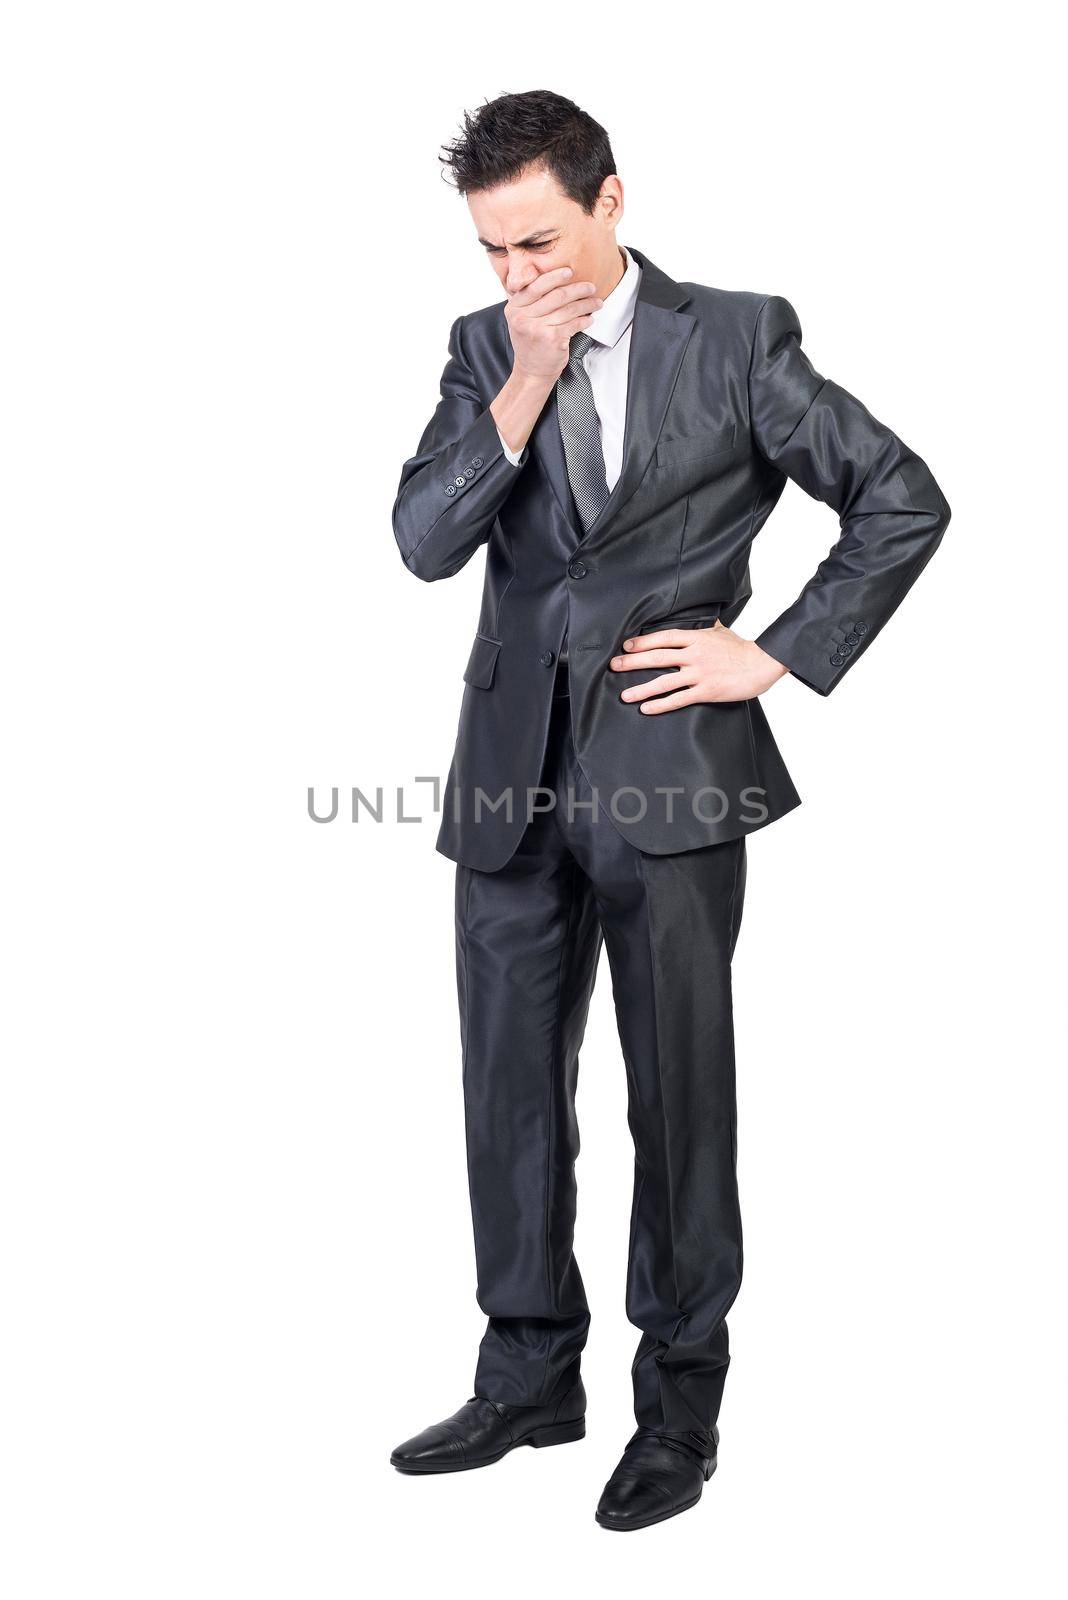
(700, 664)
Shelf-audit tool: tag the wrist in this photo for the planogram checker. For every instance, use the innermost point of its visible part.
(522, 382)
(767, 666)
(518, 405)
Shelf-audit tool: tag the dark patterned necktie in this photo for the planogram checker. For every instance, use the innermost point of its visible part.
(581, 433)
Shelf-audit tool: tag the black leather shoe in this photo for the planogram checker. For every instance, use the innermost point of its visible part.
(660, 1474)
(483, 1431)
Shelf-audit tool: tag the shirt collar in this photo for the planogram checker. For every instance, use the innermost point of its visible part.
(611, 322)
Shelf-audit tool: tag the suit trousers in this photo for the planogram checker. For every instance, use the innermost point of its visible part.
(528, 940)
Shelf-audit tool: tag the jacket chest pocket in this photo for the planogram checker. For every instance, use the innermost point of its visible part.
(692, 453)
(482, 661)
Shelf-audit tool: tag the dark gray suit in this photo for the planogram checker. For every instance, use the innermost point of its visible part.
(722, 406)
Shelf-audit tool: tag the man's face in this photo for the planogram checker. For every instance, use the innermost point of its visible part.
(531, 226)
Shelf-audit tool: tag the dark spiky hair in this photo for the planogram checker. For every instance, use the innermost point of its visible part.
(516, 131)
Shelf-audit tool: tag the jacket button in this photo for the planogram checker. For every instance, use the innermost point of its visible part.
(836, 661)
(459, 482)
(476, 462)
(469, 474)
(861, 627)
(546, 658)
(577, 569)
(450, 488)
(852, 639)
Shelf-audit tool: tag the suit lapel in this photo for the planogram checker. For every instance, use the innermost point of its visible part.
(658, 339)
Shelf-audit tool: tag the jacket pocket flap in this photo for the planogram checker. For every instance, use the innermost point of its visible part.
(482, 661)
(685, 617)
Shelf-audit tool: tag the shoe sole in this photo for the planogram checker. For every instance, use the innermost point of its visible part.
(541, 1439)
(615, 1526)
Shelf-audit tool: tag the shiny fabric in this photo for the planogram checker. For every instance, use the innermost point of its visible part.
(528, 938)
(722, 407)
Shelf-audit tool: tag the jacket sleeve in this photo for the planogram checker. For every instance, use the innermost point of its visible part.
(452, 488)
(892, 513)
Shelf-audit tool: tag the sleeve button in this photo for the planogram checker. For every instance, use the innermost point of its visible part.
(450, 488)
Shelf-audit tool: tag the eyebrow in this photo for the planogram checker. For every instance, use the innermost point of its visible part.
(521, 244)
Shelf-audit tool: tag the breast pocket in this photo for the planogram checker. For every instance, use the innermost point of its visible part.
(673, 451)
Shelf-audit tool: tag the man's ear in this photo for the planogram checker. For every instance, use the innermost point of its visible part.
(610, 200)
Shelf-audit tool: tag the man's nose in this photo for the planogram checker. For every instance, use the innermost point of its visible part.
(520, 274)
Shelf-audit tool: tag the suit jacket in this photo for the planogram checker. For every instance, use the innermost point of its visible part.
(722, 406)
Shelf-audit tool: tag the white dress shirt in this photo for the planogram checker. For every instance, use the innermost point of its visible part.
(606, 363)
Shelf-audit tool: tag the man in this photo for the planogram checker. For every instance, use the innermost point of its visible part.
(616, 440)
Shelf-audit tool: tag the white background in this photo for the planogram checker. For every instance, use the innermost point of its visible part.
(236, 1250)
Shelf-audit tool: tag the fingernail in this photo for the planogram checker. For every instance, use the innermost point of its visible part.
(628, 644)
